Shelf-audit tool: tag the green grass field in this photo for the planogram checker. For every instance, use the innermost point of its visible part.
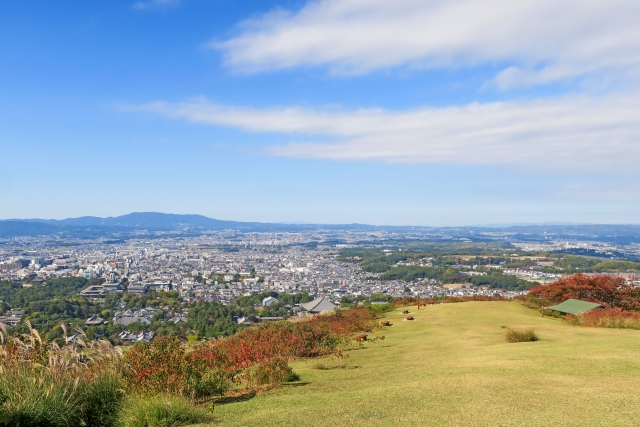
(453, 367)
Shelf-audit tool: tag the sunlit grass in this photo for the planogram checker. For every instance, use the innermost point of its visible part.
(452, 367)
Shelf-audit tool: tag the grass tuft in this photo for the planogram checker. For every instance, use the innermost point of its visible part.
(162, 411)
(327, 367)
(521, 335)
(291, 377)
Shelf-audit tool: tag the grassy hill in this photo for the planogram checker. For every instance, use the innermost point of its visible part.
(452, 367)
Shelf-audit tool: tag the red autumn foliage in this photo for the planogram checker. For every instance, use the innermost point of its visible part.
(256, 355)
(607, 290)
(167, 365)
(611, 318)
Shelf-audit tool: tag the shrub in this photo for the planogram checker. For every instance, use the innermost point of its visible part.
(521, 335)
(612, 318)
(269, 372)
(162, 411)
(165, 365)
(607, 290)
(256, 356)
(102, 400)
(378, 310)
(291, 377)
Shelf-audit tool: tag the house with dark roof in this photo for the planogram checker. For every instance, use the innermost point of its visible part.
(74, 338)
(128, 317)
(318, 305)
(134, 338)
(137, 289)
(94, 321)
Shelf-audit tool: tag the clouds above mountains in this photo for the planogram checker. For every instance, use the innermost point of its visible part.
(540, 41)
(569, 133)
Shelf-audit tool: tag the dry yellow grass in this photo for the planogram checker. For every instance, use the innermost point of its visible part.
(452, 367)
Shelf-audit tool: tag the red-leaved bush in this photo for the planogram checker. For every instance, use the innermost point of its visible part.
(611, 318)
(607, 290)
(255, 355)
(167, 365)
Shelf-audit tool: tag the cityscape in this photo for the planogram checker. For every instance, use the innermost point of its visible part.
(222, 266)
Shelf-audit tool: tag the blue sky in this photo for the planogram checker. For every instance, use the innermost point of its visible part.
(418, 112)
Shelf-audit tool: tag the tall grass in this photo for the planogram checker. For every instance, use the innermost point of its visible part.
(39, 399)
(87, 384)
(521, 335)
(47, 386)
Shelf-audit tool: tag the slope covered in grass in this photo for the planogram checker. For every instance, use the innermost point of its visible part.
(453, 367)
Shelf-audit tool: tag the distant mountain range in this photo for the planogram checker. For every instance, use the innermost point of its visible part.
(144, 220)
(90, 226)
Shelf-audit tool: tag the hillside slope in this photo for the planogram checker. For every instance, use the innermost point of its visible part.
(452, 367)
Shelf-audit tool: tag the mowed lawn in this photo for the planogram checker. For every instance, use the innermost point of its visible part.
(452, 367)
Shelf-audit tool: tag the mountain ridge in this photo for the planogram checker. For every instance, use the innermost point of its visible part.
(92, 226)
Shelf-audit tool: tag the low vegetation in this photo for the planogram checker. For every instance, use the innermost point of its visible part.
(607, 290)
(166, 382)
(453, 367)
(162, 411)
(620, 300)
(45, 385)
(612, 318)
(521, 335)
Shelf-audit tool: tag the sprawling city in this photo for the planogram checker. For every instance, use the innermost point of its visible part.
(121, 279)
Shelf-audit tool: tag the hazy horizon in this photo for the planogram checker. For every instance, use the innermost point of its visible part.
(487, 225)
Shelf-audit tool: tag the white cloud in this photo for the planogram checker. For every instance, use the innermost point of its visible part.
(544, 40)
(569, 133)
(156, 4)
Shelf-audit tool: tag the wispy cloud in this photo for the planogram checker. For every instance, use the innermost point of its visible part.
(542, 40)
(156, 4)
(569, 133)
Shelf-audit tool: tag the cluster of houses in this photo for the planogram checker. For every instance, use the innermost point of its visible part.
(12, 319)
(98, 291)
